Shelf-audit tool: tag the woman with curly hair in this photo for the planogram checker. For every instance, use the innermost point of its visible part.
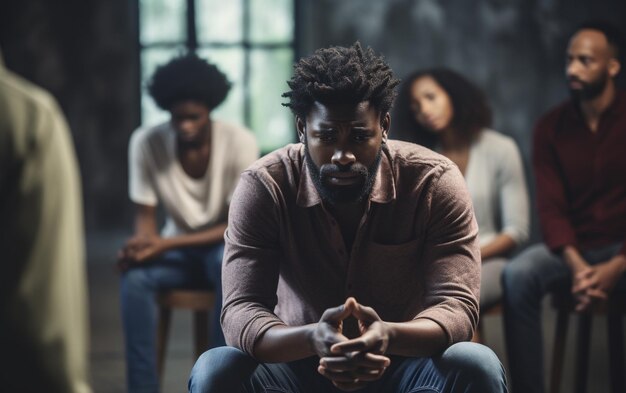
(442, 110)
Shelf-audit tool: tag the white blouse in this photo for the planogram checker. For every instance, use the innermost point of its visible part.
(496, 182)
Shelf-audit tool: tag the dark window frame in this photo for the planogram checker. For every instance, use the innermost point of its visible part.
(192, 44)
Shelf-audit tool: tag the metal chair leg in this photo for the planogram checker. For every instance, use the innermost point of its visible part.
(558, 352)
(616, 350)
(582, 355)
(162, 334)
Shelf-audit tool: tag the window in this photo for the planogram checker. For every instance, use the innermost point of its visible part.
(251, 41)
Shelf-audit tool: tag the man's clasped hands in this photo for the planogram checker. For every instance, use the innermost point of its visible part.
(351, 363)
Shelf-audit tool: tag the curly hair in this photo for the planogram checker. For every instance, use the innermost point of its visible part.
(188, 77)
(340, 74)
(471, 112)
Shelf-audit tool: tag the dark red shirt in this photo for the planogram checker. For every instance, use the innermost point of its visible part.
(581, 177)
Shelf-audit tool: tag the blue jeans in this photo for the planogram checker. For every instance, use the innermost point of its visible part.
(193, 267)
(462, 368)
(526, 280)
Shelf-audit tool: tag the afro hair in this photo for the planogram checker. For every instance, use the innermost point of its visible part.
(188, 77)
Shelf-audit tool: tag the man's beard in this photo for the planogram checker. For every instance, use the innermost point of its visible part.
(343, 194)
(590, 90)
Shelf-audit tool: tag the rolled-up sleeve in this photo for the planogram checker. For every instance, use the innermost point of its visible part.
(251, 264)
(451, 258)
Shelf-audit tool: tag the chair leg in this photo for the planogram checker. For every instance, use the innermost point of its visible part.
(616, 351)
(162, 334)
(558, 351)
(201, 332)
(582, 355)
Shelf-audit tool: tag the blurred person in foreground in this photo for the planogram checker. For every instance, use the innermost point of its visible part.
(43, 294)
(351, 260)
(580, 170)
(190, 165)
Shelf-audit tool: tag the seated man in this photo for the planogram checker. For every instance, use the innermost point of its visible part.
(351, 261)
(580, 171)
(190, 165)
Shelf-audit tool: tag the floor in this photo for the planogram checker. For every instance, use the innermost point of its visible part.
(107, 354)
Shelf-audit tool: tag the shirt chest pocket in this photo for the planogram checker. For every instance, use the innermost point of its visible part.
(391, 276)
(397, 252)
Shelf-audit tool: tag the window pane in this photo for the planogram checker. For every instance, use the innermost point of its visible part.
(219, 20)
(150, 59)
(162, 20)
(230, 62)
(271, 20)
(272, 122)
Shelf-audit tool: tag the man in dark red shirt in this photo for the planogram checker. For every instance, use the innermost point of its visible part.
(580, 171)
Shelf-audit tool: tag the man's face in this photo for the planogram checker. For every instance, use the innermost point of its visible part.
(590, 64)
(343, 149)
(191, 121)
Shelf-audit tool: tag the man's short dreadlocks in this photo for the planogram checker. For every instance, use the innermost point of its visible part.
(188, 77)
(339, 74)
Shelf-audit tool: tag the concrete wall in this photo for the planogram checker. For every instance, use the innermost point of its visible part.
(84, 52)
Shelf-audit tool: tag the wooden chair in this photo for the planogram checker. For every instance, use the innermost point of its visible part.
(201, 302)
(479, 334)
(614, 309)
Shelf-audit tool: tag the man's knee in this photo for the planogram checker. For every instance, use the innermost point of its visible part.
(221, 369)
(522, 272)
(477, 367)
(135, 279)
(528, 275)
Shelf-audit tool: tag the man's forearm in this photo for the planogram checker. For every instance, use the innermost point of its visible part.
(620, 261)
(145, 221)
(573, 259)
(417, 338)
(208, 237)
(281, 344)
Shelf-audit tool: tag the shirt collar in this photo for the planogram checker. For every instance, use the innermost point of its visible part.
(383, 190)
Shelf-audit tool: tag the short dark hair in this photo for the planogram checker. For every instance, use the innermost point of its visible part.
(340, 74)
(471, 112)
(188, 77)
(614, 35)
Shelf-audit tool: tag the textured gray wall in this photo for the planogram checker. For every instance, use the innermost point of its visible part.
(84, 52)
(513, 49)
